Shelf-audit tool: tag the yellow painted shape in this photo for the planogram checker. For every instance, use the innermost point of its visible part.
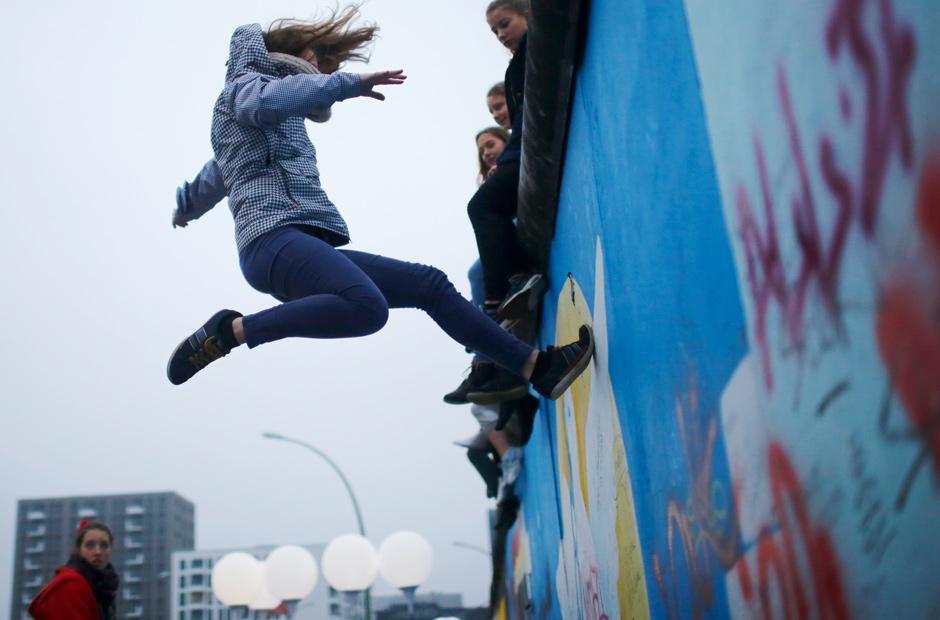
(573, 312)
(631, 583)
(502, 612)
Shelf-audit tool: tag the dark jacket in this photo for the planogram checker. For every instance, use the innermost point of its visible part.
(515, 91)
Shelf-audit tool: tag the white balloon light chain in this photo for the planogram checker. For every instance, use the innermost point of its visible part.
(350, 564)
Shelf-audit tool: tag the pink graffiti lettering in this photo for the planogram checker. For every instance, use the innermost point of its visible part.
(856, 198)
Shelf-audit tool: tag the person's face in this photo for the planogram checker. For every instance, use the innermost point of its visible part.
(490, 147)
(508, 26)
(497, 107)
(96, 548)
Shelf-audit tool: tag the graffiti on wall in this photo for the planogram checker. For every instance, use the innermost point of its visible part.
(702, 531)
(833, 422)
(854, 195)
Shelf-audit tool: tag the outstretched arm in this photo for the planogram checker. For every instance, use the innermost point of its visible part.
(264, 101)
(198, 197)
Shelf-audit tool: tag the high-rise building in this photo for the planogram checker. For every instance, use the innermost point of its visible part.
(147, 528)
(192, 598)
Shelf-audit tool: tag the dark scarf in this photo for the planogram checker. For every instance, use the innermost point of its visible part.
(104, 583)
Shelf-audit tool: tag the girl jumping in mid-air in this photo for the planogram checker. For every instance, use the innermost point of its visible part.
(287, 230)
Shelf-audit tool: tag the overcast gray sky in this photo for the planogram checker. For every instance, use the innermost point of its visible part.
(106, 109)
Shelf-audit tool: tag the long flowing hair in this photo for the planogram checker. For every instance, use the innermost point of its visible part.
(333, 39)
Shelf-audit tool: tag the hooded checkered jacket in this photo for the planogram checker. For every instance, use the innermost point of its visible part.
(264, 159)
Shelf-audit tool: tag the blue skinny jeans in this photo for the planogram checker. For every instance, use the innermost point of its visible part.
(330, 293)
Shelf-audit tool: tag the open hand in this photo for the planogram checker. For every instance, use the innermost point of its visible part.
(383, 78)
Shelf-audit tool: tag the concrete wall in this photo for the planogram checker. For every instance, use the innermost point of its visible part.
(750, 219)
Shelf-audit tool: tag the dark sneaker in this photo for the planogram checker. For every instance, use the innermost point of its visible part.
(480, 373)
(502, 386)
(525, 293)
(199, 350)
(565, 364)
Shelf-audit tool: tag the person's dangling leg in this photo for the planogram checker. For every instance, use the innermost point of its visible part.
(491, 211)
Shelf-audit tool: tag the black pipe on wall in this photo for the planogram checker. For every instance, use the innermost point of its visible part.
(552, 54)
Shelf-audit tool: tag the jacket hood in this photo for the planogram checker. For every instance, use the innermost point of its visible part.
(248, 53)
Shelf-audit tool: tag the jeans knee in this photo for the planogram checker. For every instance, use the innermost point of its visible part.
(371, 312)
(435, 285)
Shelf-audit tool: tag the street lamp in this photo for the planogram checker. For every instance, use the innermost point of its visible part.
(352, 496)
(329, 461)
(350, 565)
(477, 548)
(405, 560)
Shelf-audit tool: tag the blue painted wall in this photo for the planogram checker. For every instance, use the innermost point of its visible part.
(751, 376)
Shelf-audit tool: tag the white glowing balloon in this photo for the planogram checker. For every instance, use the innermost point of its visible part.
(236, 579)
(349, 563)
(405, 559)
(290, 572)
(264, 600)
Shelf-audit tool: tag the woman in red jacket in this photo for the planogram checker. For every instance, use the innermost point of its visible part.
(85, 588)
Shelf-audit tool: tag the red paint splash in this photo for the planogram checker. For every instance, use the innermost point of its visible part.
(816, 593)
(908, 324)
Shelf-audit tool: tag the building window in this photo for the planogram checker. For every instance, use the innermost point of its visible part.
(196, 579)
(135, 560)
(195, 597)
(197, 563)
(182, 582)
(334, 609)
(87, 512)
(35, 515)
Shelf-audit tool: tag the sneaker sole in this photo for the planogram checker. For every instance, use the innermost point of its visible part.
(516, 307)
(170, 363)
(492, 398)
(575, 372)
(455, 401)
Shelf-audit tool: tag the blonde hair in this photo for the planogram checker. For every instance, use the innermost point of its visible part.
(333, 39)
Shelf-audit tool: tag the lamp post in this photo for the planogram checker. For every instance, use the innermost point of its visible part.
(367, 603)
